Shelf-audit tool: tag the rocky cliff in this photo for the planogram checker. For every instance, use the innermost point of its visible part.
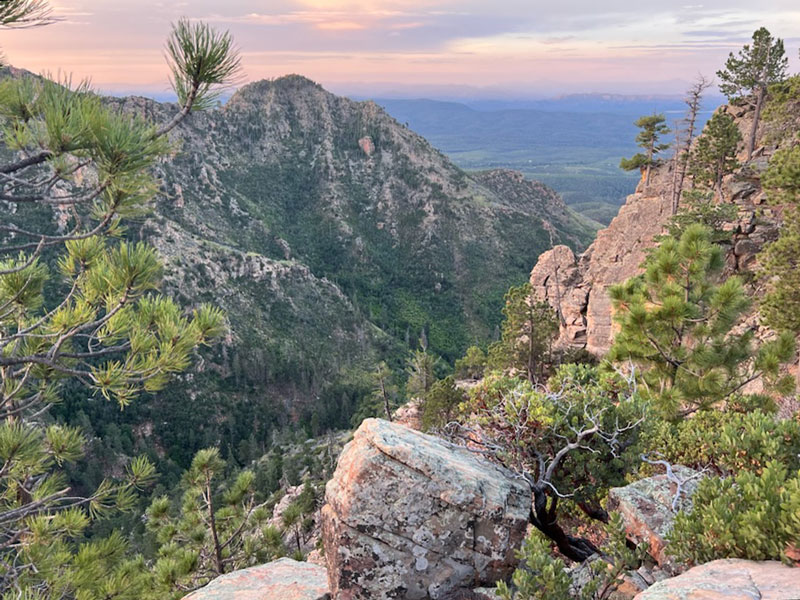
(577, 285)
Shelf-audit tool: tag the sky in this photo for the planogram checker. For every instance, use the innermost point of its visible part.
(480, 48)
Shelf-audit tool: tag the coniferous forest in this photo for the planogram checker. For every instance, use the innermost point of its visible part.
(201, 301)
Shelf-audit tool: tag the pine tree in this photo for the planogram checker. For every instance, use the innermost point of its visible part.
(527, 335)
(21, 14)
(653, 127)
(385, 391)
(747, 76)
(570, 440)
(693, 102)
(440, 403)
(676, 322)
(78, 303)
(218, 528)
(780, 261)
(714, 155)
(421, 368)
(472, 364)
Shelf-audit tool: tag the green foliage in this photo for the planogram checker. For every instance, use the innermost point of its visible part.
(421, 368)
(544, 577)
(756, 66)
(751, 516)
(472, 364)
(201, 60)
(293, 516)
(714, 155)
(215, 530)
(747, 77)
(782, 178)
(676, 324)
(527, 334)
(652, 127)
(77, 305)
(781, 114)
(440, 403)
(698, 207)
(779, 260)
(562, 436)
(727, 442)
(780, 264)
(16, 14)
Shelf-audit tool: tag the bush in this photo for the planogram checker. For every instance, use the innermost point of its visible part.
(727, 442)
(440, 403)
(472, 365)
(751, 516)
(543, 577)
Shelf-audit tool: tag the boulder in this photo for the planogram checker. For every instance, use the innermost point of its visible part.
(283, 579)
(648, 509)
(409, 516)
(730, 579)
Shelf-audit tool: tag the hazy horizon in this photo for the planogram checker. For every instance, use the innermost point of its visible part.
(406, 48)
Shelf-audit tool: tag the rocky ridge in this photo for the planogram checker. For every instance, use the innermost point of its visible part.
(332, 236)
(578, 284)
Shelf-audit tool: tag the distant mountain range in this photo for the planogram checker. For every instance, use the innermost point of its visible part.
(572, 143)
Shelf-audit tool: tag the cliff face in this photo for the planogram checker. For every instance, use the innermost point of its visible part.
(578, 285)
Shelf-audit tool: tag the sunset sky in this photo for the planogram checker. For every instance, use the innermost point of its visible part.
(510, 47)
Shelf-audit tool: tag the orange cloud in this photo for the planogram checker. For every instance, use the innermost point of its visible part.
(339, 26)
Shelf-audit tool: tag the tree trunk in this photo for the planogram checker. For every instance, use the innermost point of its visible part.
(220, 566)
(751, 143)
(385, 401)
(544, 519)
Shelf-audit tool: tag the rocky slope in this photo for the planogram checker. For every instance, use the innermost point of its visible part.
(579, 284)
(289, 171)
(333, 237)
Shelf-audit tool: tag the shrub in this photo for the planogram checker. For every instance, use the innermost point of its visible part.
(750, 516)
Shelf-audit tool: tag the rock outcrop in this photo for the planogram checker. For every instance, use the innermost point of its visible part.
(648, 508)
(730, 579)
(409, 414)
(307, 538)
(408, 516)
(578, 286)
(283, 579)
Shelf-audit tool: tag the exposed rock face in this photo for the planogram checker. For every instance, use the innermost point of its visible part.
(408, 516)
(730, 579)
(556, 277)
(283, 579)
(308, 539)
(580, 285)
(648, 508)
(410, 415)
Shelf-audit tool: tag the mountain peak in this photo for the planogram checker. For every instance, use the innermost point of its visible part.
(257, 91)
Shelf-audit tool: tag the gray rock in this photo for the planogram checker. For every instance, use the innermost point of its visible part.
(730, 579)
(409, 516)
(648, 509)
(283, 579)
